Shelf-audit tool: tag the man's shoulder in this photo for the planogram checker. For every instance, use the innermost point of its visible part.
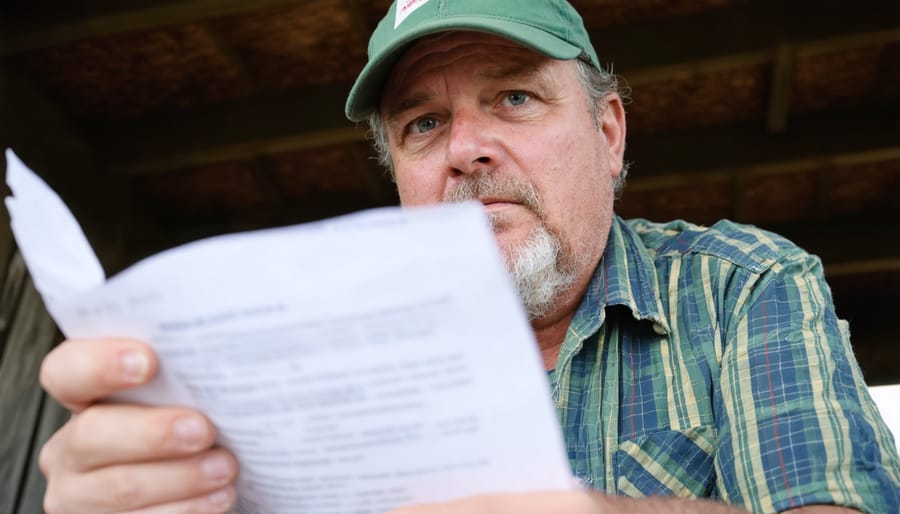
(741, 244)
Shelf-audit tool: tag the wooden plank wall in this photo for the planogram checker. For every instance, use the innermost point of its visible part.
(42, 136)
(27, 415)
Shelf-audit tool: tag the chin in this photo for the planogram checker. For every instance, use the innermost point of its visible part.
(509, 243)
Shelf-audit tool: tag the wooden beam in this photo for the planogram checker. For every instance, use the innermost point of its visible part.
(720, 151)
(762, 56)
(31, 335)
(831, 138)
(314, 117)
(693, 68)
(15, 39)
(747, 30)
(843, 269)
(780, 91)
(849, 42)
(243, 150)
(736, 29)
(242, 129)
(358, 19)
(225, 49)
(748, 172)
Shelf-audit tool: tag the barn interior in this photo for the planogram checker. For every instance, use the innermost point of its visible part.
(162, 122)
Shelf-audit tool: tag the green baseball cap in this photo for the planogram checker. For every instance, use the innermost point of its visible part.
(551, 27)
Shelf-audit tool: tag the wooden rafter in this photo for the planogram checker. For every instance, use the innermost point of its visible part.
(780, 91)
(228, 51)
(812, 140)
(862, 267)
(358, 19)
(747, 31)
(17, 40)
(761, 56)
(313, 117)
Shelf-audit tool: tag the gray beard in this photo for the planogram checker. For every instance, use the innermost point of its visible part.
(536, 270)
(537, 265)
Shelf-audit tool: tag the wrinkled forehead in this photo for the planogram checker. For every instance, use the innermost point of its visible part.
(497, 56)
(457, 42)
(448, 39)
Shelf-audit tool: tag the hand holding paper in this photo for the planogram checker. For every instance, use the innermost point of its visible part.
(351, 365)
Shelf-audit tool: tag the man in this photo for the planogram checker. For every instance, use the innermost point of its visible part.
(691, 362)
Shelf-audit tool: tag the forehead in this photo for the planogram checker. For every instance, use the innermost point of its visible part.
(460, 41)
(494, 55)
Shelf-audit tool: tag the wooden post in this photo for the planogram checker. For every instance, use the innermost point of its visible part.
(41, 135)
(6, 250)
(29, 334)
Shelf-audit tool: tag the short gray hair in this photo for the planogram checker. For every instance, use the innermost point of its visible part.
(597, 83)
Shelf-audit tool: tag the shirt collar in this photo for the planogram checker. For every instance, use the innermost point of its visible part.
(625, 276)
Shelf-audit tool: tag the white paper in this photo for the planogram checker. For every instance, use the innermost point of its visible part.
(352, 365)
(887, 398)
(58, 254)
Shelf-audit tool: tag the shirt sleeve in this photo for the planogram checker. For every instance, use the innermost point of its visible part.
(796, 423)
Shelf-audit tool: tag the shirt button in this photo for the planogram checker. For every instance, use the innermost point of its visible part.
(660, 331)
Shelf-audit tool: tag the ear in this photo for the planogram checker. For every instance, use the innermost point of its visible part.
(612, 126)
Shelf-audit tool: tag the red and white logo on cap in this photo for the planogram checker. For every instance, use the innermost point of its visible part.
(405, 8)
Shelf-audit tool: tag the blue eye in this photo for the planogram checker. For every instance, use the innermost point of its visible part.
(517, 98)
(425, 124)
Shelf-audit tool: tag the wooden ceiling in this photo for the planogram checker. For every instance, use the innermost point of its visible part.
(165, 121)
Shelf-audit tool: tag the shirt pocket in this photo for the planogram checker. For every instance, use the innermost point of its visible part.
(667, 463)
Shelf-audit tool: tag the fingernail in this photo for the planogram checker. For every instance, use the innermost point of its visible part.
(135, 366)
(190, 430)
(222, 499)
(217, 467)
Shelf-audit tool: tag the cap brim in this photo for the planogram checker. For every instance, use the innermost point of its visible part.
(365, 95)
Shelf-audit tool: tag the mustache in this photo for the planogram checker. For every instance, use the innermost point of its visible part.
(490, 184)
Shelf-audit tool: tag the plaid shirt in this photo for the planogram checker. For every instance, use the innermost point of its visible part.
(708, 362)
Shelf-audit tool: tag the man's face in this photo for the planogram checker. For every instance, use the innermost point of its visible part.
(470, 115)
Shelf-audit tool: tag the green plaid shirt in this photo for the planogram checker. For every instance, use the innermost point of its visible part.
(708, 362)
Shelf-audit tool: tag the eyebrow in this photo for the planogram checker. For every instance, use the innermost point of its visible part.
(517, 70)
(409, 102)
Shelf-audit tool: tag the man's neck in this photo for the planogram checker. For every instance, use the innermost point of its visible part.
(550, 330)
(550, 340)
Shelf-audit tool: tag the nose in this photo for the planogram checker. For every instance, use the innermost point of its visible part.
(472, 145)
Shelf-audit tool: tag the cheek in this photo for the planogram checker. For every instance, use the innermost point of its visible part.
(578, 189)
(418, 181)
(418, 187)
